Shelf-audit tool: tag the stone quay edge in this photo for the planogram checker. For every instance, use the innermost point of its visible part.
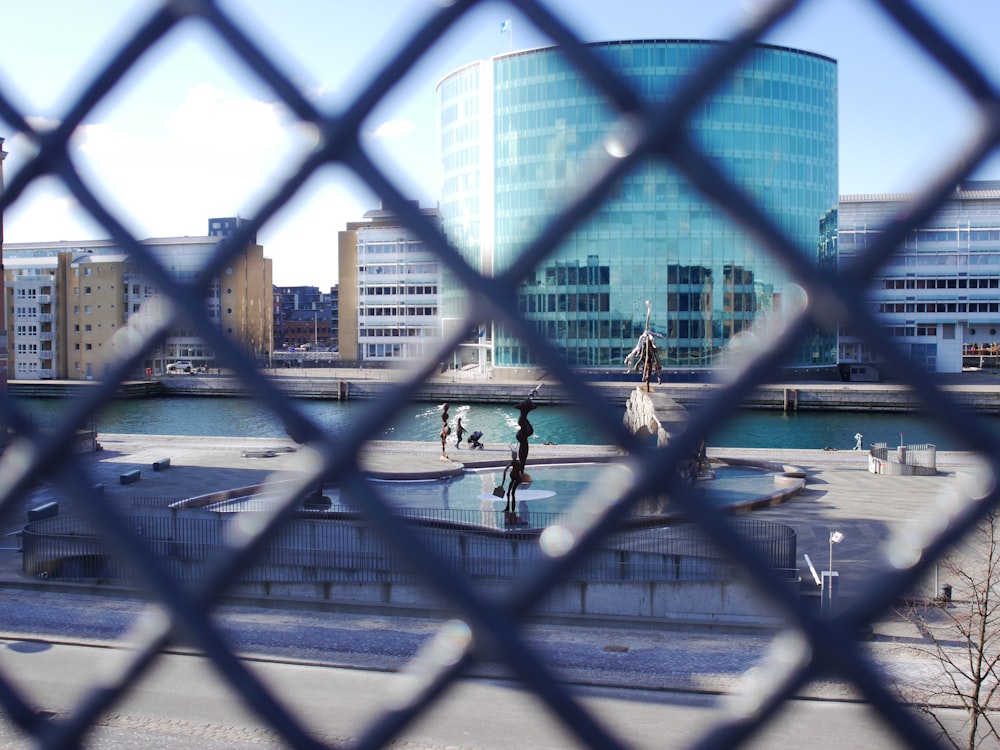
(981, 393)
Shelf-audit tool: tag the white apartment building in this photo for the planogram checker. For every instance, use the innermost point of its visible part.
(940, 293)
(32, 314)
(397, 280)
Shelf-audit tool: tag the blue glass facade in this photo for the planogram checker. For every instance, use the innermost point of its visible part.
(520, 132)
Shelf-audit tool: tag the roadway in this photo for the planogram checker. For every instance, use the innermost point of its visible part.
(337, 672)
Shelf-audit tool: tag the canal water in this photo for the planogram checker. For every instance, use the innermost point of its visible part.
(237, 417)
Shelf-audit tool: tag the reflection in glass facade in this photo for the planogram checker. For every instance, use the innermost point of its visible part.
(519, 132)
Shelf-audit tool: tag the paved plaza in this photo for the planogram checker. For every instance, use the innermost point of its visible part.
(840, 493)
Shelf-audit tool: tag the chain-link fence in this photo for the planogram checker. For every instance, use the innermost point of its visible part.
(659, 132)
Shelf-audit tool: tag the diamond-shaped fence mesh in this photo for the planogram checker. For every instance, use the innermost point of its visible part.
(659, 133)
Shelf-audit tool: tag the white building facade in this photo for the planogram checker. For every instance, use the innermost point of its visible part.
(398, 286)
(939, 295)
(33, 317)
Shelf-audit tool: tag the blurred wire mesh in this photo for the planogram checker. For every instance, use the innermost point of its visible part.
(33, 454)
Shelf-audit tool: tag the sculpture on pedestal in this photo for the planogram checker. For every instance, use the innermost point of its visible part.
(645, 357)
(445, 432)
(519, 457)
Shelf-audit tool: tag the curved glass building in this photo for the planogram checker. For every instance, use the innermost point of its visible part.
(519, 133)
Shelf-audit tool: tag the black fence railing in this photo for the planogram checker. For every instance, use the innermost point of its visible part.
(339, 547)
(658, 132)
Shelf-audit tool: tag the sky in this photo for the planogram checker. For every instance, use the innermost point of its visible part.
(191, 134)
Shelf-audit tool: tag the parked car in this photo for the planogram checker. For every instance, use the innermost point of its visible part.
(176, 367)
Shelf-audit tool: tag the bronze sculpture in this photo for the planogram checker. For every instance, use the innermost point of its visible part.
(645, 356)
(519, 457)
(445, 432)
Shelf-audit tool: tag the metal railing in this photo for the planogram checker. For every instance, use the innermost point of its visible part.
(660, 133)
(336, 546)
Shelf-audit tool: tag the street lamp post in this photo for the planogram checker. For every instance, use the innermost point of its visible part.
(836, 537)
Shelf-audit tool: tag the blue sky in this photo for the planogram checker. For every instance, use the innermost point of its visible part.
(190, 134)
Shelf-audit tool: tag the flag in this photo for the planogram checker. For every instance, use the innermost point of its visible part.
(505, 26)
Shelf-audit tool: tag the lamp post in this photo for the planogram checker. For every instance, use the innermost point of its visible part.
(836, 537)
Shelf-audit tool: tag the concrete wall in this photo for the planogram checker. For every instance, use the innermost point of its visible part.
(722, 603)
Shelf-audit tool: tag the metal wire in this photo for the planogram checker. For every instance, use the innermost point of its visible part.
(34, 454)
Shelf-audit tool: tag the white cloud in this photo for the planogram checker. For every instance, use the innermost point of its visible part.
(215, 154)
(392, 129)
(209, 118)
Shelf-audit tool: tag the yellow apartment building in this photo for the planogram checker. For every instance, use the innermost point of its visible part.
(74, 307)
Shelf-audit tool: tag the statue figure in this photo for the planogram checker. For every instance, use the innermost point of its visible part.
(858, 437)
(519, 458)
(516, 469)
(524, 428)
(645, 356)
(445, 432)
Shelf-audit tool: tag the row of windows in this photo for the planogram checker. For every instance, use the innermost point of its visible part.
(378, 332)
(390, 350)
(575, 275)
(579, 356)
(978, 283)
(852, 239)
(389, 248)
(938, 259)
(25, 312)
(911, 331)
(699, 302)
(401, 289)
(189, 351)
(938, 307)
(550, 303)
(380, 312)
(400, 268)
(696, 328)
